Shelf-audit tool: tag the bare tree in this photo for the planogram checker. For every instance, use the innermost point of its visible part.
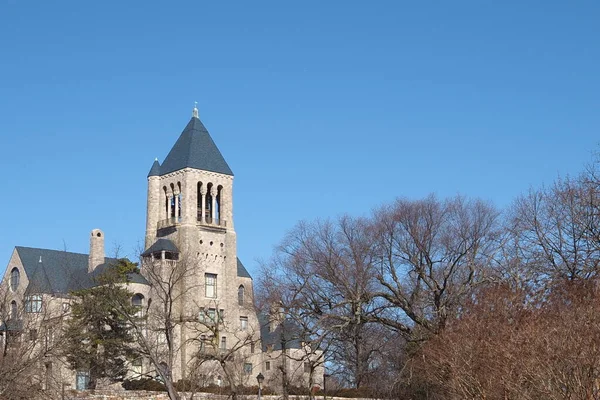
(431, 255)
(510, 345)
(322, 277)
(229, 355)
(157, 325)
(29, 347)
(557, 229)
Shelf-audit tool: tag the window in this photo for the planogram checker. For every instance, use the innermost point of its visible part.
(241, 293)
(307, 367)
(252, 347)
(136, 366)
(48, 383)
(268, 366)
(161, 339)
(212, 315)
(223, 343)
(13, 310)
(247, 368)
(33, 303)
(243, 323)
(82, 380)
(49, 337)
(164, 368)
(137, 301)
(33, 334)
(209, 316)
(210, 285)
(202, 348)
(15, 277)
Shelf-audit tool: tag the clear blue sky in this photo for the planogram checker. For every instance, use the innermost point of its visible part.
(319, 107)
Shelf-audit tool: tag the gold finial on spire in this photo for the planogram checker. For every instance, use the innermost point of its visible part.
(195, 111)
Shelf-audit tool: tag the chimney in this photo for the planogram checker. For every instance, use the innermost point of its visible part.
(276, 316)
(96, 250)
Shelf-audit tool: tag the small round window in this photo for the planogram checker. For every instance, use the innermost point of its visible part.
(15, 277)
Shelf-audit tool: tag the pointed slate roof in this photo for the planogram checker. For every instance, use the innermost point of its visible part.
(242, 272)
(155, 170)
(195, 149)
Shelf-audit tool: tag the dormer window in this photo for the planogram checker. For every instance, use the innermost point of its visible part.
(15, 278)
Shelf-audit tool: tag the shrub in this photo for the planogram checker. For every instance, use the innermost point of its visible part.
(144, 384)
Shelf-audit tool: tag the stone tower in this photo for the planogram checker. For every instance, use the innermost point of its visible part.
(190, 219)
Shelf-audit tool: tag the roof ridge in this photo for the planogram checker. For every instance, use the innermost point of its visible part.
(54, 250)
(63, 252)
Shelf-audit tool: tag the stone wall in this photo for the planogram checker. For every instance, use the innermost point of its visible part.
(143, 395)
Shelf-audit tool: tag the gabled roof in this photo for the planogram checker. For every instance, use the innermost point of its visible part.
(242, 272)
(160, 245)
(195, 149)
(60, 272)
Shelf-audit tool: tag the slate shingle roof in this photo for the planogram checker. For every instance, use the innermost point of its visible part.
(242, 272)
(195, 149)
(160, 245)
(155, 170)
(288, 333)
(61, 272)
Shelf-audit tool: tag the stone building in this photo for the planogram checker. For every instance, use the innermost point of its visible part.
(35, 300)
(190, 280)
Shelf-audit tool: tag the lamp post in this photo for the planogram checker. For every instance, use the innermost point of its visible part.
(260, 379)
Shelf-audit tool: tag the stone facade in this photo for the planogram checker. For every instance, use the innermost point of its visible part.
(189, 228)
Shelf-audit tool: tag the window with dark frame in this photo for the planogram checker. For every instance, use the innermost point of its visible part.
(306, 367)
(33, 303)
(15, 277)
(14, 310)
(137, 301)
(210, 285)
(241, 295)
(247, 368)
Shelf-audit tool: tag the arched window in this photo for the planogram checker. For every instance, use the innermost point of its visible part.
(218, 205)
(166, 202)
(15, 277)
(138, 302)
(164, 368)
(178, 203)
(199, 202)
(13, 310)
(241, 294)
(208, 203)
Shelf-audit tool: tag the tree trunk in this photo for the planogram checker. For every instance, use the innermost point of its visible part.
(173, 395)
